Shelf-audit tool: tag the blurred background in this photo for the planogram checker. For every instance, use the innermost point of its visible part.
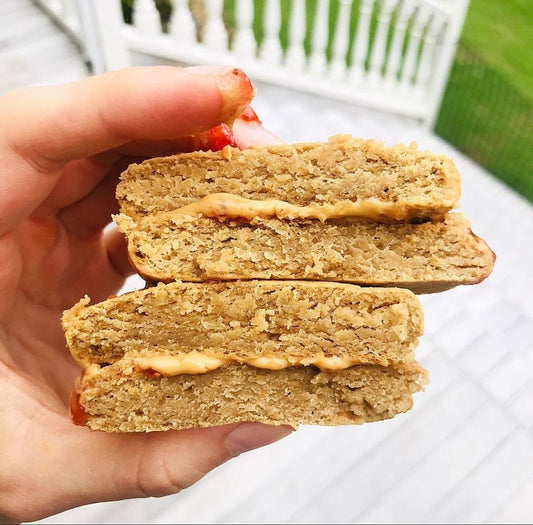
(454, 76)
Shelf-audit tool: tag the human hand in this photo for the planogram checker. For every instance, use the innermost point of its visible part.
(62, 149)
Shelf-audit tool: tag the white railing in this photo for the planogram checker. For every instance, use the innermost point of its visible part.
(393, 55)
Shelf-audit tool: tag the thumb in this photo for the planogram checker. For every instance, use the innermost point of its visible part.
(162, 463)
(73, 466)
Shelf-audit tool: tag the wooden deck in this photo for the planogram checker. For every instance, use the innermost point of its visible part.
(464, 454)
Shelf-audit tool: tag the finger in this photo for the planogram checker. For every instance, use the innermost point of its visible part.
(249, 131)
(79, 178)
(43, 128)
(155, 148)
(11, 266)
(163, 463)
(117, 251)
(109, 467)
(184, 457)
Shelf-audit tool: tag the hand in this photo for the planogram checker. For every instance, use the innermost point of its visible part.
(62, 150)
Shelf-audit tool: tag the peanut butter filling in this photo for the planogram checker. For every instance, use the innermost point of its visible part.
(172, 365)
(228, 206)
(199, 363)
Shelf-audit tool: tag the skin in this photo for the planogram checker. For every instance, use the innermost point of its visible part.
(62, 149)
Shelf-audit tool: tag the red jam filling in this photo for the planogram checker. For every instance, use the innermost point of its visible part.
(249, 115)
(219, 137)
(77, 413)
(151, 373)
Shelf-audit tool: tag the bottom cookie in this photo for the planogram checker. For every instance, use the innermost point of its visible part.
(124, 398)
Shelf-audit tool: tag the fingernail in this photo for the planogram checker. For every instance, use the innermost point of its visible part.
(233, 85)
(237, 92)
(248, 436)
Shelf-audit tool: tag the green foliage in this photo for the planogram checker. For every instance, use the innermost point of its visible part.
(127, 10)
(501, 33)
(163, 6)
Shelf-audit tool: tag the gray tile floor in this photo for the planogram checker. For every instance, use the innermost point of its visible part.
(464, 454)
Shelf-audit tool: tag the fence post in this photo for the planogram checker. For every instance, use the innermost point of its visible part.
(317, 62)
(410, 66)
(244, 43)
(146, 17)
(360, 44)
(181, 26)
(428, 55)
(379, 47)
(392, 69)
(447, 47)
(214, 33)
(340, 42)
(101, 22)
(271, 51)
(295, 54)
(71, 15)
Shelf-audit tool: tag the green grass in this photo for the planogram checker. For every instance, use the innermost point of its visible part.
(486, 117)
(501, 33)
(487, 109)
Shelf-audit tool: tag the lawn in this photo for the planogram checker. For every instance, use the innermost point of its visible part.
(487, 110)
(501, 33)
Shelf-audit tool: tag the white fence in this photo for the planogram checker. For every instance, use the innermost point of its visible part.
(393, 55)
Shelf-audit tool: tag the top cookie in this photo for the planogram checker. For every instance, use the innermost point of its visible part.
(405, 183)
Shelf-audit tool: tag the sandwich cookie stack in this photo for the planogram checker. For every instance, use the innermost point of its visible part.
(282, 283)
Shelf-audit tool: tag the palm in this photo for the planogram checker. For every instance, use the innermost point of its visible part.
(59, 255)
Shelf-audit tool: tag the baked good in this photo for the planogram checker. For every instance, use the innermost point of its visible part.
(424, 257)
(347, 210)
(284, 352)
(121, 398)
(345, 176)
(253, 309)
(249, 318)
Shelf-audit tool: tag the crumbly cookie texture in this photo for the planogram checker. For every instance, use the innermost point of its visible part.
(427, 257)
(417, 183)
(121, 398)
(243, 319)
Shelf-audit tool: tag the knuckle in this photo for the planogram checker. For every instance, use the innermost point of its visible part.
(157, 478)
